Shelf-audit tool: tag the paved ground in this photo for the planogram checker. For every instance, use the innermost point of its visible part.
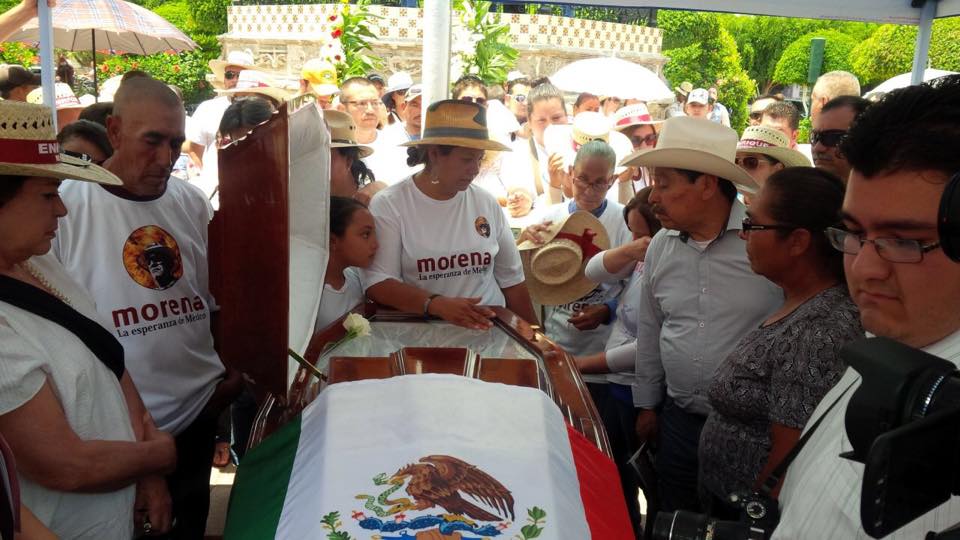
(221, 481)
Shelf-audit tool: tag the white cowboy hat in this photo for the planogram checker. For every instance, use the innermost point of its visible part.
(634, 115)
(695, 145)
(566, 139)
(242, 59)
(31, 147)
(343, 132)
(400, 80)
(555, 268)
(252, 81)
(771, 142)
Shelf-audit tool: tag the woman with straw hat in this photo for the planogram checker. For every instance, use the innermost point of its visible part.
(68, 409)
(445, 246)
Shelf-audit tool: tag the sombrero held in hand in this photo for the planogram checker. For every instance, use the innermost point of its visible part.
(555, 268)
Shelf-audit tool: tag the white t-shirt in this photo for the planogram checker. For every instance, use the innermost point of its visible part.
(202, 129)
(583, 342)
(33, 350)
(389, 160)
(821, 492)
(335, 302)
(145, 264)
(461, 247)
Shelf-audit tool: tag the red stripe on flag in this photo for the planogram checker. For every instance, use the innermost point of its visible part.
(600, 491)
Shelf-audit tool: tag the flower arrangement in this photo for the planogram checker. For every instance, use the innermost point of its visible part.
(350, 37)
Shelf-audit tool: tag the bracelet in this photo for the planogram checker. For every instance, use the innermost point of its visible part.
(426, 304)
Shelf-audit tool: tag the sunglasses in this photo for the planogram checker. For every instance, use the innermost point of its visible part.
(80, 155)
(828, 137)
(519, 98)
(750, 226)
(650, 139)
(230, 75)
(482, 101)
(752, 162)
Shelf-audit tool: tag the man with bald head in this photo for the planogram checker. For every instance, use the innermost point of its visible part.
(832, 85)
(141, 250)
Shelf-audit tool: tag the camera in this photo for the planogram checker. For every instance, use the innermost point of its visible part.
(759, 515)
(903, 423)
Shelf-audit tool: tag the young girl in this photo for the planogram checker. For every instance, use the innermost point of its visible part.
(353, 243)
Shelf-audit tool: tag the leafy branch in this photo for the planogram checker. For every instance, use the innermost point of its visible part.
(332, 523)
(536, 519)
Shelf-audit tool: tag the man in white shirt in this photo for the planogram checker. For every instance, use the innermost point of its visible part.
(141, 251)
(360, 99)
(903, 152)
(389, 160)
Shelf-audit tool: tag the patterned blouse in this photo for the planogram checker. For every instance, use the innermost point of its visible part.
(777, 374)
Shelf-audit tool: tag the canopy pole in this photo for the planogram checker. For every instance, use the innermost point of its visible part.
(922, 48)
(93, 49)
(45, 22)
(437, 22)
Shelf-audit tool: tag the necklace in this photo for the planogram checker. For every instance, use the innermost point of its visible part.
(32, 270)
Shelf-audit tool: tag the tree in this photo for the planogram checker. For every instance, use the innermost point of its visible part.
(793, 66)
(703, 52)
(763, 40)
(889, 50)
(484, 40)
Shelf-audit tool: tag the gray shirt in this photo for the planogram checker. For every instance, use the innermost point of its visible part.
(696, 304)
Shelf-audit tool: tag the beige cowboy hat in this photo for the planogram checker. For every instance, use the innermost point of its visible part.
(252, 81)
(343, 132)
(695, 145)
(457, 123)
(242, 59)
(64, 98)
(685, 88)
(771, 142)
(634, 115)
(555, 268)
(30, 147)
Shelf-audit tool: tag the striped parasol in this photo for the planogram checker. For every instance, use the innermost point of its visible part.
(114, 25)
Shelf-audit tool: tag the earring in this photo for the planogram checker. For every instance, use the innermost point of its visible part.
(434, 179)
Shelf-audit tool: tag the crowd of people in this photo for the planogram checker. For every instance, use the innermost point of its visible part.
(705, 281)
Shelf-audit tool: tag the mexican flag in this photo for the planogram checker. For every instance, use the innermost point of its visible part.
(427, 457)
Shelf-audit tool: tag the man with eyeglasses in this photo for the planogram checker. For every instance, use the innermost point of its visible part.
(360, 99)
(902, 151)
(470, 88)
(829, 129)
(202, 127)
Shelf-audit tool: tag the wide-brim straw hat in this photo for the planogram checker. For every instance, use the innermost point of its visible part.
(771, 142)
(696, 144)
(30, 147)
(634, 115)
(343, 132)
(453, 122)
(242, 59)
(555, 269)
(685, 88)
(252, 81)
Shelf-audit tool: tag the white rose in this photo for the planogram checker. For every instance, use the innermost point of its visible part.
(357, 325)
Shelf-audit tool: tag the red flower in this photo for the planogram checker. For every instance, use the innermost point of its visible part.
(333, 18)
(135, 65)
(104, 68)
(337, 58)
(336, 33)
(176, 68)
(357, 515)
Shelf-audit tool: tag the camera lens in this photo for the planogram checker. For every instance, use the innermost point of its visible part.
(680, 525)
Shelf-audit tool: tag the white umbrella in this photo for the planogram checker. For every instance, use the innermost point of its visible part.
(903, 80)
(607, 76)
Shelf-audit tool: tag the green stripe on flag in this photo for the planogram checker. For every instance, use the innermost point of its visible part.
(260, 487)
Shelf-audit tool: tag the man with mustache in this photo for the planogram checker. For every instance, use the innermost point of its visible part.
(165, 330)
(829, 129)
(699, 295)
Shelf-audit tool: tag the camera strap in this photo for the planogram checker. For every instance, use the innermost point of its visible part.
(777, 474)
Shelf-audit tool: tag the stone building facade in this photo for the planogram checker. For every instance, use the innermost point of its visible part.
(282, 37)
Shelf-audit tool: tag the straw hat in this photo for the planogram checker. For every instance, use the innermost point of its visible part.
(30, 147)
(321, 75)
(242, 59)
(692, 144)
(634, 115)
(771, 142)
(252, 81)
(343, 132)
(457, 123)
(554, 269)
(685, 88)
(64, 98)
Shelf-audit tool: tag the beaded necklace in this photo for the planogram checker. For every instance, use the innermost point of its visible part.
(37, 275)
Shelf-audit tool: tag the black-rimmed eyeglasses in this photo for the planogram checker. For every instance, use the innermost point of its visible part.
(749, 226)
(896, 250)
